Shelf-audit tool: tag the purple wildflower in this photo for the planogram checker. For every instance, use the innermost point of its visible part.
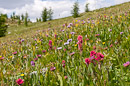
(121, 32)
(66, 43)
(110, 30)
(72, 32)
(22, 40)
(126, 64)
(32, 63)
(59, 48)
(69, 40)
(68, 26)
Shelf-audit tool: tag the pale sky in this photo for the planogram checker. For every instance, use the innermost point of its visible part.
(61, 8)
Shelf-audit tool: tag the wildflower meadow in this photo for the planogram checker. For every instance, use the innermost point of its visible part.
(86, 52)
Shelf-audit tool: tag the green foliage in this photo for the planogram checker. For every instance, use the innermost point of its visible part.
(26, 19)
(86, 7)
(110, 42)
(19, 21)
(38, 19)
(75, 10)
(44, 15)
(22, 16)
(3, 26)
(50, 13)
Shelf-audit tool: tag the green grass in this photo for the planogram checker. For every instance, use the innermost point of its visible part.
(106, 33)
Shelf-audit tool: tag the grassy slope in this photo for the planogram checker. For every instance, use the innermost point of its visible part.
(18, 31)
(109, 72)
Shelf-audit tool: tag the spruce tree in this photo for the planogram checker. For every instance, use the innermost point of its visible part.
(22, 16)
(37, 19)
(3, 26)
(19, 21)
(75, 10)
(44, 15)
(50, 13)
(26, 19)
(86, 8)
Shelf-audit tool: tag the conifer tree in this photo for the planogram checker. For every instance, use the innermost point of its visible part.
(44, 15)
(19, 21)
(22, 16)
(26, 19)
(75, 10)
(50, 13)
(86, 7)
(3, 26)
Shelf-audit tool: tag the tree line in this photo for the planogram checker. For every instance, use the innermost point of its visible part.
(46, 15)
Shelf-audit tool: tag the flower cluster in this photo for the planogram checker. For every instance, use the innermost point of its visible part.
(94, 56)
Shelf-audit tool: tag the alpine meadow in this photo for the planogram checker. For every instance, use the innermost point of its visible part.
(85, 49)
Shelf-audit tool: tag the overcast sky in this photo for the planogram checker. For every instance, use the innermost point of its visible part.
(61, 8)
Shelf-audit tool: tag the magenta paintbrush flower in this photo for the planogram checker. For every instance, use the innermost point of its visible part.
(87, 61)
(100, 57)
(20, 81)
(50, 44)
(92, 53)
(80, 41)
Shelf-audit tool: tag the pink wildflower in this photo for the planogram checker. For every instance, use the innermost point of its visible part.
(126, 64)
(87, 61)
(65, 77)
(52, 68)
(99, 57)
(80, 41)
(92, 53)
(50, 44)
(14, 53)
(19, 81)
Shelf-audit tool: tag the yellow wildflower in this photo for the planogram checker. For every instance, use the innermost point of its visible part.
(76, 25)
(22, 74)
(103, 43)
(25, 57)
(75, 45)
(10, 56)
(0, 56)
(38, 41)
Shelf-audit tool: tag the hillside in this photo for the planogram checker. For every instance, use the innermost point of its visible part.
(31, 29)
(92, 50)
